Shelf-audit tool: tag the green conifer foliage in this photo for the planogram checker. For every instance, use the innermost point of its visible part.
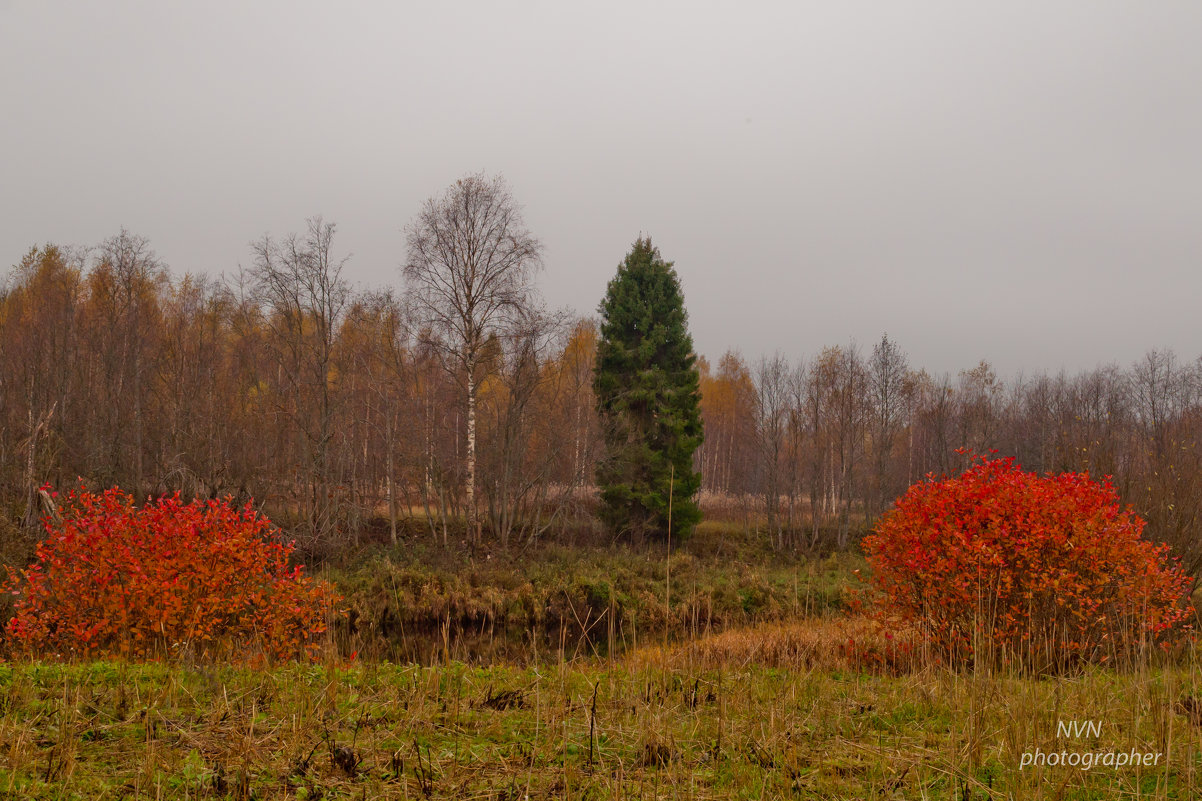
(649, 400)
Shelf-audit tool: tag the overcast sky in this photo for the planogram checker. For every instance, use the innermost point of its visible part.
(1019, 182)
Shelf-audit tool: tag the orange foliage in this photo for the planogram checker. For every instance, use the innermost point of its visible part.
(728, 410)
(1044, 570)
(167, 579)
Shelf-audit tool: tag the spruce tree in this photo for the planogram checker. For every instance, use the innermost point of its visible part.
(649, 400)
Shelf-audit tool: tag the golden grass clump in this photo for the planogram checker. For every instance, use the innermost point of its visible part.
(857, 643)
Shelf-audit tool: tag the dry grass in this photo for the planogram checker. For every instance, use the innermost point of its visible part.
(559, 602)
(856, 643)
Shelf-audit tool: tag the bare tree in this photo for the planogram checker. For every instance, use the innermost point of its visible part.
(848, 414)
(300, 285)
(886, 384)
(379, 339)
(471, 263)
(521, 459)
(125, 286)
(772, 415)
(1159, 384)
(979, 396)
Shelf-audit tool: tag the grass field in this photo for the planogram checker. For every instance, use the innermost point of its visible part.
(583, 671)
(660, 723)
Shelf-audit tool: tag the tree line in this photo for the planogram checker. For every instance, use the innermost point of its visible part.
(815, 450)
(326, 404)
(332, 406)
(342, 410)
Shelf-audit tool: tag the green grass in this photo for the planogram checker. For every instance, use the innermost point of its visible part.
(109, 730)
(564, 671)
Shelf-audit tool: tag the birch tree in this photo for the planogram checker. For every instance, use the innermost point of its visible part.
(471, 264)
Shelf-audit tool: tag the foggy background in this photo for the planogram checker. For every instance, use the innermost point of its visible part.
(1018, 182)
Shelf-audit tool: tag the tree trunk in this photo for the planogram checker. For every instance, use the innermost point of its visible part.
(472, 522)
(391, 482)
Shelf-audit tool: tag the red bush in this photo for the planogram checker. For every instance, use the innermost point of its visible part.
(1043, 570)
(167, 579)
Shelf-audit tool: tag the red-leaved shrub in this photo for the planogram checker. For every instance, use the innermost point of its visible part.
(1043, 571)
(202, 579)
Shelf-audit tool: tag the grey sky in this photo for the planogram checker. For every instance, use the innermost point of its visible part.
(1013, 181)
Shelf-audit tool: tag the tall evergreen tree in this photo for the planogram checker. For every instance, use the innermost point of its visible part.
(649, 400)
